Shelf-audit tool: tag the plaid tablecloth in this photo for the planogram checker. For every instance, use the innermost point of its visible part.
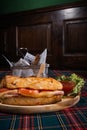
(74, 118)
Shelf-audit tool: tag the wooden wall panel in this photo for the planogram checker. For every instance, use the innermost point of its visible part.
(35, 37)
(75, 39)
(60, 29)
(75, 42)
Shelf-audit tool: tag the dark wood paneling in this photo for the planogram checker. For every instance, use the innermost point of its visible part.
(35, 37)
(7, 45)
(74, 35)
(75, 40)
(60, 29)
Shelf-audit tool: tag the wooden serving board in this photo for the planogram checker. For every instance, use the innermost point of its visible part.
(65, 103)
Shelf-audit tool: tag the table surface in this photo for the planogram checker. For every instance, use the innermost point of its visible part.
(74, 118)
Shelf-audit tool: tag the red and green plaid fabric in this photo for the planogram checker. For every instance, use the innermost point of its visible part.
(74, 118)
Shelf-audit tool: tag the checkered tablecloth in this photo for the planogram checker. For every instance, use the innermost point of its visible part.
(74, 118)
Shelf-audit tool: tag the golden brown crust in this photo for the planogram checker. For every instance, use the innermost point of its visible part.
(31, 82)
(29, 101)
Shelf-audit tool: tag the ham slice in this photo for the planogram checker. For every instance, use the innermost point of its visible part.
(29, 92)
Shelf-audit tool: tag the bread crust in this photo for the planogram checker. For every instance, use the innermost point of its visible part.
(29, 101)
(38, 83)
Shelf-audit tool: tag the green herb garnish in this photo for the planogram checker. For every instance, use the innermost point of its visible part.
(79, 82)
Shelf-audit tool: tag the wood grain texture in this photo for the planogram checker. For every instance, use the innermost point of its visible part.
(60, 29)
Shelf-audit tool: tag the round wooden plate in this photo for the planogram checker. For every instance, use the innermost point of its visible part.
(65, 103)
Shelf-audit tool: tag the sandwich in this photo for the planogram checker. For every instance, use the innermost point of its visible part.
(29, 91)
